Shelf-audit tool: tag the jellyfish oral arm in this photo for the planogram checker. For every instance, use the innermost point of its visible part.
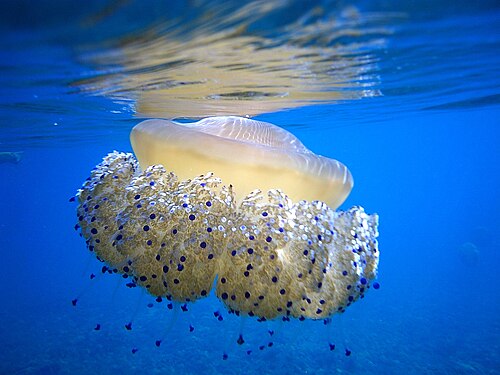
(270, 256)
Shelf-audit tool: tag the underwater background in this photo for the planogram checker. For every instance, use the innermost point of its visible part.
(405, 93)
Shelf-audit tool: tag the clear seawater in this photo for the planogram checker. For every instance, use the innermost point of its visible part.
(405, 93)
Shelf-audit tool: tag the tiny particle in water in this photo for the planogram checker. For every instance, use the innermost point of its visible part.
(128, 326)
(376, 285)
(73, 302)
(240, 340)
(261, 347)
(363, 281)
(184, 307)
(92, 276)
(270, 332)
(134, 350)
(158, 343)
(97, 327)
(191, 328)
(224, 356)
(150, 305)
(72, 199)
(332, 346)
(270, 344)
(347, 352)
(249, 352)
(170, 306)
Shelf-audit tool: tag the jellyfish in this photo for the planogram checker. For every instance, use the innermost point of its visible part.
(235, 205)
(11, 157)
(469, 254)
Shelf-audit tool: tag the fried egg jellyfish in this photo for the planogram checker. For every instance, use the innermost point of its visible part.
(236, 201)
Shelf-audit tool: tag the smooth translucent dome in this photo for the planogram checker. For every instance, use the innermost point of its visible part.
(245, 153)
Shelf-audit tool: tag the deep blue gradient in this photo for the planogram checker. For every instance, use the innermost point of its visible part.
(425, 156)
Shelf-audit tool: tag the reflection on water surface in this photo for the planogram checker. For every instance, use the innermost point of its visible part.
(218, 58)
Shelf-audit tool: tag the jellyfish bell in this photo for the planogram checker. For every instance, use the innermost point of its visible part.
(236, 201)
(245, 153)
(469, 254)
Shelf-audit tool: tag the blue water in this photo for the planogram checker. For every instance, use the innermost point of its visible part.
(423, 147)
